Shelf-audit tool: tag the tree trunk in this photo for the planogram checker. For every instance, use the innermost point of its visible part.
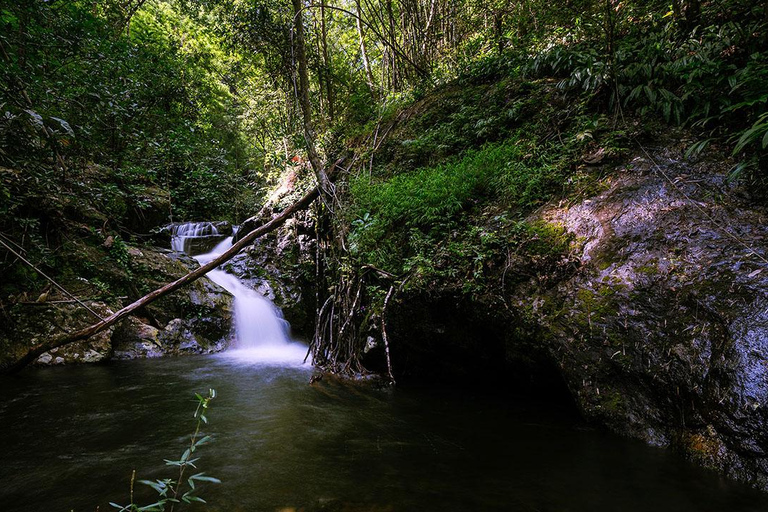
(364, 52)
(498, 22)
(324, 184)
(692, 13)
(394, 68)
(326, 64)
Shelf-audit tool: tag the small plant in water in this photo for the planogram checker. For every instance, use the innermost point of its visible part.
(172, 491)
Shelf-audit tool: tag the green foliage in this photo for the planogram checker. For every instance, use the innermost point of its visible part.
(118, 251)
(710, 77)
(417, 207)
(172, 491)
(80, 89)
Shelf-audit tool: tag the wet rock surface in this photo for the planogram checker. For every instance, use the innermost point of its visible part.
(216, 230)
(656, 321)
(196, 319)
(668, 317)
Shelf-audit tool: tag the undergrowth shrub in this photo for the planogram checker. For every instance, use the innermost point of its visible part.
(711, 78)
(397, 221)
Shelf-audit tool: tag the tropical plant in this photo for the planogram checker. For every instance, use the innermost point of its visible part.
(177, 490)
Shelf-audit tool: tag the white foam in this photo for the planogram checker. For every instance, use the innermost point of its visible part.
(290, 354)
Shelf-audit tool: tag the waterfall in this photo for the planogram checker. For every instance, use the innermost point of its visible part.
(262, 335)
(184, 236)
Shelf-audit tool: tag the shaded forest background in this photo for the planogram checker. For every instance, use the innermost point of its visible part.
(119, 116)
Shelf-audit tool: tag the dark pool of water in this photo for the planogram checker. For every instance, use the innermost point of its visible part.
(71, 436)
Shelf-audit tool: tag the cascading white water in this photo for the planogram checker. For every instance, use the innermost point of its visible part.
(261, 333)
(182, 233)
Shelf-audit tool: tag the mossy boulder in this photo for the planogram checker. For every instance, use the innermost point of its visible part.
(195, 319)
(201, 312)
(34, 323)
(655, 318)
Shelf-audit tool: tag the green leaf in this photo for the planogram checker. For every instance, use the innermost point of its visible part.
(157, 506)
(749, 136)
(65, 126)
(36, 120)
(697, 148)
(203, 440)
(158, 486)
(202, 477)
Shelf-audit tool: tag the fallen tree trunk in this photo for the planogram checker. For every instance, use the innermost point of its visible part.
(35, 352)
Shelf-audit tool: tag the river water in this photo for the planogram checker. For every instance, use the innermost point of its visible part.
(72, 435)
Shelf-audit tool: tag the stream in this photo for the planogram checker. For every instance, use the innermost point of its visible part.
(71, 437)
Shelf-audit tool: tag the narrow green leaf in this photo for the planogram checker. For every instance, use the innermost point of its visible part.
(202, 477)
(203, 440)
(157, 506)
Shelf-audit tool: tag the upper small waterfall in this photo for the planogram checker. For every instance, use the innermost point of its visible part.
(188, 237)
(261, 332)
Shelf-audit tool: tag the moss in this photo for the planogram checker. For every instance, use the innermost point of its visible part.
(649, 269)
(704, 447)
(552, 238)
(612, 402)
(604, 264)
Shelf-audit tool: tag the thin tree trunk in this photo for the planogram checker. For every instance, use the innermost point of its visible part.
(327, 64)
(324, 184)
(393, 34)
(363, 51)
(273, 224)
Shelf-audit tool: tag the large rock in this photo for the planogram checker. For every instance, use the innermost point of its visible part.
(35, 323)
(194, 319)
(135, 339)
(663, 332)
(656, 322)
